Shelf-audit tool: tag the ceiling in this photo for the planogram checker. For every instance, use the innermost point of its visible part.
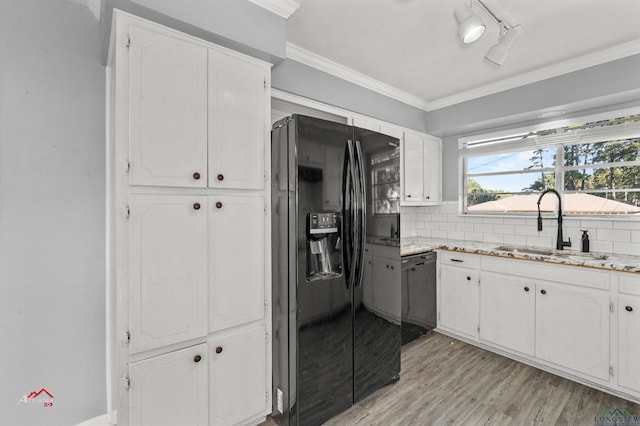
(409, 50)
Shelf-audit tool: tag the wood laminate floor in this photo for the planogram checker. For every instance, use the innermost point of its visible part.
(448, 382)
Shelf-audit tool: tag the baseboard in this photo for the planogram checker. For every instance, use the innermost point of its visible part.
(103, 420)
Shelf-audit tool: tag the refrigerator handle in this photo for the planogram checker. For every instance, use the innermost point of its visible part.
(349, 200)
(361, 227)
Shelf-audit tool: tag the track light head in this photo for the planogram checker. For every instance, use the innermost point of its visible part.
(498, 53)
(470, 26)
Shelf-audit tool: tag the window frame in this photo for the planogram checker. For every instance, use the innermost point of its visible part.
(502, 138)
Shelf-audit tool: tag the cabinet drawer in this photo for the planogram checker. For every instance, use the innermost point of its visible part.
(459, 259)
(629, 283)
(537, 270)
(388, 252)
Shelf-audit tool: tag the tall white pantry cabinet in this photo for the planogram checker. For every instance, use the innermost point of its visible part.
(188, 214)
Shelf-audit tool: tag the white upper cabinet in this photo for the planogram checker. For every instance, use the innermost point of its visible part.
(421, 163)
(168, 110)
(237, 121)
(413, 171)
(198, 115)
(236, 260)
(168, 269)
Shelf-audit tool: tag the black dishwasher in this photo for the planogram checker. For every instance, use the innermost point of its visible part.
(418, 295)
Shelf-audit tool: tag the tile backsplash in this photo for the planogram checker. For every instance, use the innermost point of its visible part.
(620, 236)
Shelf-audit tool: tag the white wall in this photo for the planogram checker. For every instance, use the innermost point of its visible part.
(52, 212)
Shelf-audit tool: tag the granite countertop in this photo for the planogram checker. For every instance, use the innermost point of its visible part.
(616, 262)
(384, 241)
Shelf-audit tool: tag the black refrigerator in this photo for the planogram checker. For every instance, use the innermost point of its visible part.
(336, 322)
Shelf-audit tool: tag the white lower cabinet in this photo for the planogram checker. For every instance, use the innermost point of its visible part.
(459, 300)
(237, 377)
(170, 389)
(629, 343)
(574, 321)
(219, 383)
(510, 320)
(384, 274)
(572, 328)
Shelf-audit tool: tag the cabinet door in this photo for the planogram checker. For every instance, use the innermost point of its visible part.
(459, 300)
(168, 111)
(386, 277)
(168, 269)
(432, 170)
(237, 121)
(507, 314)
(236, 260)
(572, 328)
(629, 342)
(367, 290)
(332, 180)
(170, 389)
(413, 171)
(237, 380)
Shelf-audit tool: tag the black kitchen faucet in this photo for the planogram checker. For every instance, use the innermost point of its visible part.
(560, 243)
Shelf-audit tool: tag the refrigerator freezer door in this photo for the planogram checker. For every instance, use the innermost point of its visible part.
(324, 326)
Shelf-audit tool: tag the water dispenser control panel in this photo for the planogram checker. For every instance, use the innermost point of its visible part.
(323, 223)
(324, 248)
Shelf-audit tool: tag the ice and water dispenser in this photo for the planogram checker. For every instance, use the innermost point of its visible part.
(324, 251)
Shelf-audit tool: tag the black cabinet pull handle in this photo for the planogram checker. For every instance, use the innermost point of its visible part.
(457, 260)
(629, 308)
(543, 291)
(526, 289)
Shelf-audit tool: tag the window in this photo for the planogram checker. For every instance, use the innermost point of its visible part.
(594, 166)
(385, 175)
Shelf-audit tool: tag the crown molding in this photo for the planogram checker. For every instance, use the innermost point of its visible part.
(321, 63)
(554, 70)
(283, 8)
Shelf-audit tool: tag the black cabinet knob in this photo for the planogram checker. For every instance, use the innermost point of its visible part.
(196, 206)
(468, 278)
(629, 308)
(221, 177)
(526, 289)
(197, 358)
(218, 205)
(219, 349)
(196, 176)
(543, 291)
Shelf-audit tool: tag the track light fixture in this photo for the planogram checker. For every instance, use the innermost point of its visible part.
(471, 28)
